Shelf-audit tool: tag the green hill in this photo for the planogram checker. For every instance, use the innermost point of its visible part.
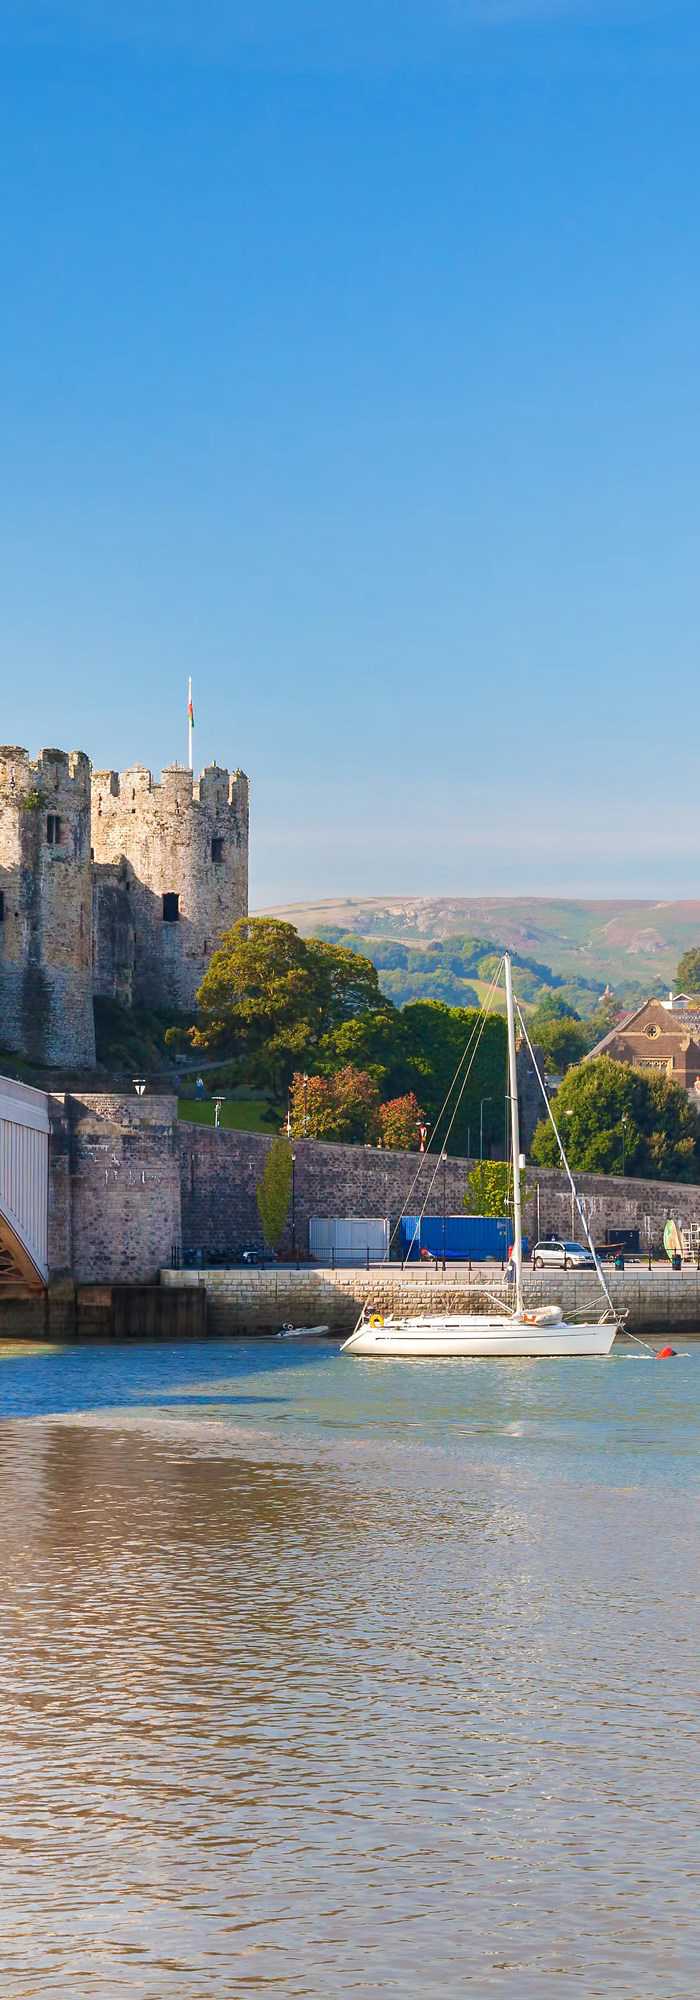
(634, 945)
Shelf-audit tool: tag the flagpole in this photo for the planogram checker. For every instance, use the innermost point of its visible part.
(189, 722)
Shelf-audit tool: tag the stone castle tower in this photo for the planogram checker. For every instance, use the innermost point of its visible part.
(111, 885)
(46, 906)
(172, 865)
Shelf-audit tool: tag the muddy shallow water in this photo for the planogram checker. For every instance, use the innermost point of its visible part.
(329, 1677)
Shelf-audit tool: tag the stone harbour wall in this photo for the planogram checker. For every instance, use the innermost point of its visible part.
(132, 1187)
(220, 1171)
(254, 1301)
(114, 1205)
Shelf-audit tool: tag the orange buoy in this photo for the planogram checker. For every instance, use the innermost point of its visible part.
(665, 1353)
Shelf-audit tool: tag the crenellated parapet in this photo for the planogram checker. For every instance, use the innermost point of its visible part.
(111, 883)
(185, 840)
(46, 907)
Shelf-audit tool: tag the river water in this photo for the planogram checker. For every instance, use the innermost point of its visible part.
(331, 1677)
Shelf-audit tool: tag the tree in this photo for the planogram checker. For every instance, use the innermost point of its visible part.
(399, 1122)
(612, 1117)
(490, 1188)
(549, 1009)
(688, 971)
(436, 1041)
(273, 1191)
(341, 1107)
(562, 1043)
(269, 997)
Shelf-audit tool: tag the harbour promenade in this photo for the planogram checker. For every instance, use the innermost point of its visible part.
(260, 1301)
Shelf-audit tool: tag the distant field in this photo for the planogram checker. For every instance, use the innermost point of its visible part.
(237, 1115)
(617, 940)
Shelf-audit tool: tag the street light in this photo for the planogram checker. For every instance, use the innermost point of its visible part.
(294, 1221)
(139, 1083)
(218, 1101)
(422, 1128)
(623, 1124)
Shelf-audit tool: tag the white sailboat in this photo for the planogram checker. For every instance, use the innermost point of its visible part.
(543, 1333)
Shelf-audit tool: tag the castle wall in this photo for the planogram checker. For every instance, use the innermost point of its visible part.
(130, 1183)
(114, 940)
(114, 1197)
(46, 922)
(182, 840)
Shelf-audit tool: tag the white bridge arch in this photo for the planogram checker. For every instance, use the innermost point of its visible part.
(24, 1187)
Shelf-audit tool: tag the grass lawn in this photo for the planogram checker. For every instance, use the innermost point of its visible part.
(240, 1114)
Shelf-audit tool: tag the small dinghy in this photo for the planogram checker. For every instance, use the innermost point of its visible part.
(301, 1332)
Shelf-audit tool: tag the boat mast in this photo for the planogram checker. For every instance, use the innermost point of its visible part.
(514, 1138)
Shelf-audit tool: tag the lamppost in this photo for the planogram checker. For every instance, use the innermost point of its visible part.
(305, 1082)
(218, 1101)
(422, 1129)
(294, 1219)
(623, 1125)
(139, 1083)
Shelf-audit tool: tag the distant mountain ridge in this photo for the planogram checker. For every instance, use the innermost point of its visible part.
(618, 940)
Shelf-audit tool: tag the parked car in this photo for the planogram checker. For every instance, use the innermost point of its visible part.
(253, 1257)
(562, 1256)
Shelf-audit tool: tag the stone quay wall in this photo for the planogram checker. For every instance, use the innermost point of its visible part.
(114, 1195)
(254, 1301)
(220, 1171)
(133, 1187)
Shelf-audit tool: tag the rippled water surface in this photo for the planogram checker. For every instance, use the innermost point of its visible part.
(330, 1677)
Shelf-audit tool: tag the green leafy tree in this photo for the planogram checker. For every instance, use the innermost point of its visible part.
(549, 1009)
(273, 1191)
(611, 1116)
(269, 997)
(436, 1039)
(562, 1043)
(399, 1122)
(343, 1107)
(490, 1188)
(375, 1042)
(688, 972)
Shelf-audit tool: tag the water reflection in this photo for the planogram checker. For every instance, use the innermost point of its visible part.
(323, 1714)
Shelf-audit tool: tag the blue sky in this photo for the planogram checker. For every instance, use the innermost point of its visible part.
(349, 361)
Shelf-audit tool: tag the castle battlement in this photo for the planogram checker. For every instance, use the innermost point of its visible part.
(46, 905)
(113, 883)
(67, 771)
(215, 788)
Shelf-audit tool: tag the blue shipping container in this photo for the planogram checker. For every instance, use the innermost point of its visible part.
(460, 1238)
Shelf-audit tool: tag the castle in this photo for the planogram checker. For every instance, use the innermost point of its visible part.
(110, 885)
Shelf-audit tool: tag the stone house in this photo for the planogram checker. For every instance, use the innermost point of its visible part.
(661, 1035)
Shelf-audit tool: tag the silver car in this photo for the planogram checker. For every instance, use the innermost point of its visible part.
(562, 1256)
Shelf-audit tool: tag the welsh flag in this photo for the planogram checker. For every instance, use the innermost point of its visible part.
(190, 711)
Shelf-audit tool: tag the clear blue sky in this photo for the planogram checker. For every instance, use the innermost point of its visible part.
(349, 361)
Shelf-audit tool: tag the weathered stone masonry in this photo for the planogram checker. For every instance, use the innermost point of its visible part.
(46, 906)
(131, 1183)
(111, 885)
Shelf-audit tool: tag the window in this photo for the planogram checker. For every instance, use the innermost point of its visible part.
(217, 848)
(171, 908)
(53, 830)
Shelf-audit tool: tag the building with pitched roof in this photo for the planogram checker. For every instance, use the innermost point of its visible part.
(662, 1035)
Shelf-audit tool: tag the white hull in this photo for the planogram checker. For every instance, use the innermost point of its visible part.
(480, 1334)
